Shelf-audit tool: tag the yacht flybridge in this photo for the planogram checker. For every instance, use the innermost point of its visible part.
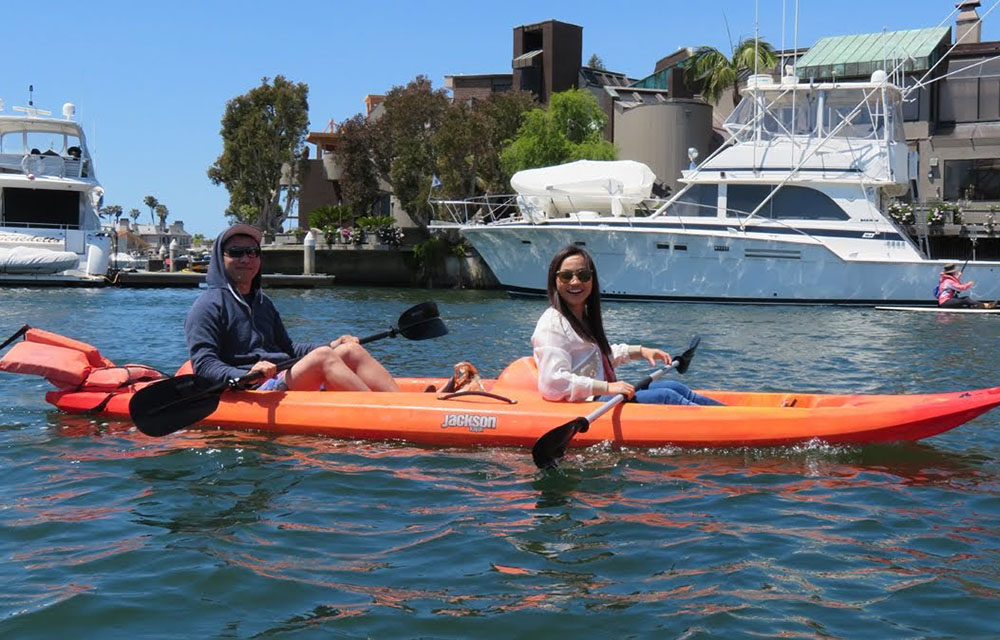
(50, 231)
(790, 210)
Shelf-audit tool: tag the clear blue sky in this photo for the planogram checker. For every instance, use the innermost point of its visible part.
(151, 79)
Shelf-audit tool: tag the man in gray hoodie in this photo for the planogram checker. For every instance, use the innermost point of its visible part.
(233, 329)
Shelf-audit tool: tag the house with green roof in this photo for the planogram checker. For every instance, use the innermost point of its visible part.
(952, 108)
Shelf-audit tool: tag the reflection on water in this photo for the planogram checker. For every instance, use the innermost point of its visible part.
(255, 535)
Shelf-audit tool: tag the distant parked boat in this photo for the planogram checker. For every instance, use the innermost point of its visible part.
(49, 201)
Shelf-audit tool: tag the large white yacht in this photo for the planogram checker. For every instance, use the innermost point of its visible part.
(790, 210)
(50, 232)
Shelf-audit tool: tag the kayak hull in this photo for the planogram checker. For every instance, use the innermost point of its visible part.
(507, 411)
(749, 419)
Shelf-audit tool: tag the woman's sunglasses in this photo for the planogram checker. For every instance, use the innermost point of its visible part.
(583, 275)
(238, 252)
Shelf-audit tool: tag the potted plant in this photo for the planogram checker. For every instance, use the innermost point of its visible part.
(941, 213)
(902, 213)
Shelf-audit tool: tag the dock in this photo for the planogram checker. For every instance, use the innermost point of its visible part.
(158, 280)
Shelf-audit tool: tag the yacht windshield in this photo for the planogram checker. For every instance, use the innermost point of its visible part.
(27, 142)
(837, 112)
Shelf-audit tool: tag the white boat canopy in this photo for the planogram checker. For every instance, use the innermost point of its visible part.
(614, 186)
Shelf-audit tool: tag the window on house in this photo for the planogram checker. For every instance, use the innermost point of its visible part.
(971, 93)
(975, 180)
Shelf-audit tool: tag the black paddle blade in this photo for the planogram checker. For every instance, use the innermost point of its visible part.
(419, 313)
(552, 446)
(170, 405)
(684, 360)
(424, 330)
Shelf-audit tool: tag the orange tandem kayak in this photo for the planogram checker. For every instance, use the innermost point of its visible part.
(513, 414)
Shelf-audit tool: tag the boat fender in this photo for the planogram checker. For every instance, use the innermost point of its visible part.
(63, 368)
(111, 378)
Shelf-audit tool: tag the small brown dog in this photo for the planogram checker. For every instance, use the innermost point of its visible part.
(465, 378)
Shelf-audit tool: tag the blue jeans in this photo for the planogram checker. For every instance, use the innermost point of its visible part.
(669, 392)
(277, 383)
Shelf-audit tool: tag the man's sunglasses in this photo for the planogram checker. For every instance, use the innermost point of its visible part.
(583, 275)
(238, 252)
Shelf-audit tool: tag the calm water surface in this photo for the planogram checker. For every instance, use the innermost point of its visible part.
(105, 533)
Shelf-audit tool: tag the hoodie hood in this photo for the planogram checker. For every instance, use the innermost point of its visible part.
(217, 278)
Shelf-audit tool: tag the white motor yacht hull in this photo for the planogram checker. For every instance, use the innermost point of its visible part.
(727, 266)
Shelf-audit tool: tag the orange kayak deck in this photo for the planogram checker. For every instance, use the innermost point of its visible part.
(521, 415)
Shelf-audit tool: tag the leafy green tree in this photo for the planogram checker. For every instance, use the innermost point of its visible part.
(403, 143)
(359, 188)
(502, 116)
(151, 202)
(134, 214)
(470, 139)
(460, 147)
(711, 70)
(571, 128)
(262, 130)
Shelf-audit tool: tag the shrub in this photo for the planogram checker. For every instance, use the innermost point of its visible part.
(329, 215)
(431, 253)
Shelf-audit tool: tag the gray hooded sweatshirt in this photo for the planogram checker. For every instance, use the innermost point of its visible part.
(228, 333)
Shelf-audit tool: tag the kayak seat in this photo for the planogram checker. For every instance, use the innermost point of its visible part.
(520, 374)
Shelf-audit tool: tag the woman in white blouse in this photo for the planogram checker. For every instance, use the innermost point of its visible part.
(575, 361)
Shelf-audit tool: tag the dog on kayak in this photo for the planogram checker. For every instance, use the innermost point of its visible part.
(465, 378)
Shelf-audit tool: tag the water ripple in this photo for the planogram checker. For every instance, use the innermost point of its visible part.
(238, 535)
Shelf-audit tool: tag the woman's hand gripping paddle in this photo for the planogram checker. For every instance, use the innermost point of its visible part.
(552, 446)
(170, 405)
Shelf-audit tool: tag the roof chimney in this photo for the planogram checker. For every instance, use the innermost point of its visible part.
(968, 27)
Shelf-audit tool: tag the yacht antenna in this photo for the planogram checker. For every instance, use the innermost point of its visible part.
(31, 91)
(795, 42)
(781, 64)
(756, 66)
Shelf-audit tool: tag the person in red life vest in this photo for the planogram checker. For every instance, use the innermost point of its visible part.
(575, 361)
(950, 286)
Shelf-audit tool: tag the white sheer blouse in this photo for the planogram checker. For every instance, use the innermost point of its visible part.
(569, 366)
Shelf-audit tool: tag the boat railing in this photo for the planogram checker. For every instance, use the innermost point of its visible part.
(22, 224)
(479, 209)
(535, 209)
(39, 165)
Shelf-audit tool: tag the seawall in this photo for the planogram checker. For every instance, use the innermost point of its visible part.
(382, 266)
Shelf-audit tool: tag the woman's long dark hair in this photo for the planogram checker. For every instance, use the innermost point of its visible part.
(592, 327)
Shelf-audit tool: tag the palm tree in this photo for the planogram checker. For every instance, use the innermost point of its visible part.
(162, 212)
(113, 212)
(151, 202)
(714, 72)
(134, 214)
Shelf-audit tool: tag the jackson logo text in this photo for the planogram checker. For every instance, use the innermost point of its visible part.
(471, 421)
